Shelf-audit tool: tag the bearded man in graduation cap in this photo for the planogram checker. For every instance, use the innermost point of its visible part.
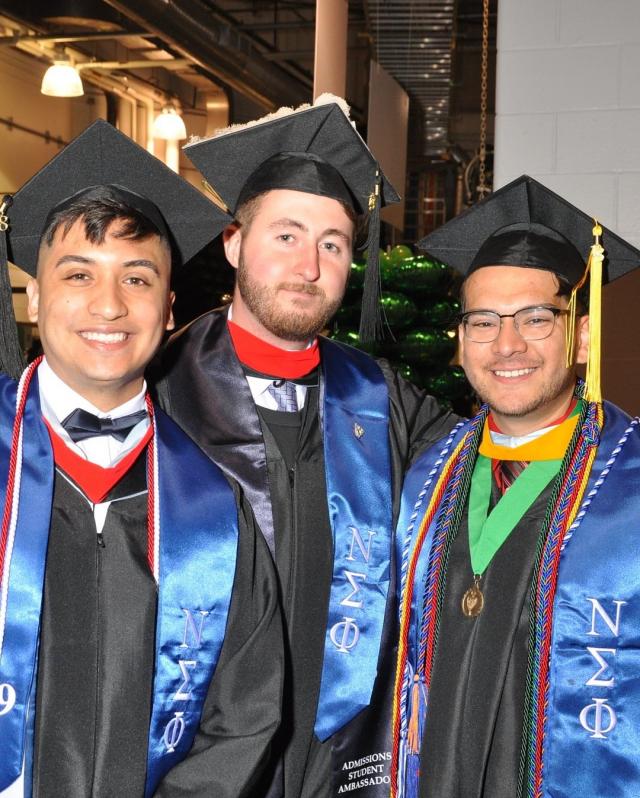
(317, 433)
(139, 625)
(519, 590)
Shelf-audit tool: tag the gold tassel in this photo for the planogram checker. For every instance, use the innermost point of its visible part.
(593, 391)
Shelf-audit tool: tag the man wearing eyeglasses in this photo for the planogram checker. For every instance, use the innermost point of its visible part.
(518, 570)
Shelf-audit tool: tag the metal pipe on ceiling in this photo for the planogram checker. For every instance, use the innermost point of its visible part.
(70, 38)
(217, 48)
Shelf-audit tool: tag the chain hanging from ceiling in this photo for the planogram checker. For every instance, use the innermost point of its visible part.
(482, 189)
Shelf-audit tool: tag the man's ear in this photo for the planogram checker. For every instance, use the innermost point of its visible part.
(460, 353)
(232, 239)
(171, 322)
(33, 299)
(582, 339)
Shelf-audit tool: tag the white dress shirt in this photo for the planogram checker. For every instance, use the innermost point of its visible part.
(57, 400)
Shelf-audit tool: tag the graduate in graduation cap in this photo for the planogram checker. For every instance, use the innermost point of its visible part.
(138, 604)
(317, 433)
(517, 539)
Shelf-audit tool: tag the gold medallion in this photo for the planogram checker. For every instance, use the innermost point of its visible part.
(473, 600)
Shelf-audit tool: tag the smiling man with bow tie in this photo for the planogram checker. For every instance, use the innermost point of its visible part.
(137, 602)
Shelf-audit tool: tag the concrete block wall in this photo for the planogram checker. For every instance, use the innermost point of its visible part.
(568, 114)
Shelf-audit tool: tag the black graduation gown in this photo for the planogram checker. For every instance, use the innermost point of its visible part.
(201, 385)
(96, 656)
(473, 730)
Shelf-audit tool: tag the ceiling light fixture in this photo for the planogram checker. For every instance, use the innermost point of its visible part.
(169, 125)
(62, 79)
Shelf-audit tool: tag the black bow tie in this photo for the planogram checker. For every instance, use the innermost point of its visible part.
(80, 424)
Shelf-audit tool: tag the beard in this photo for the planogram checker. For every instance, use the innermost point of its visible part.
(559, 384)
(290, 324)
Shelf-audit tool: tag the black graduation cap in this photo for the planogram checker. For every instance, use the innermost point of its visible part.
(289, 150)
(99, 156)
(526, 224)
(315, 149)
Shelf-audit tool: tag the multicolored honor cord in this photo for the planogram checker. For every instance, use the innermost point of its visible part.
(438, 526)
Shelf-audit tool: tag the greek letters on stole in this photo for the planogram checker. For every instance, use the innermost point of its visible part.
(355, 422)
(197, 551)
(592, 732)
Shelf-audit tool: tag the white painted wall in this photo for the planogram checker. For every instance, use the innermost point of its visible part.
(568, 103)
(568, 114)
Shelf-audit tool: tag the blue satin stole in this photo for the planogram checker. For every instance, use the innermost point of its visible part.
(355, 422)
(198, 547)
(592, 734)
(26, 562)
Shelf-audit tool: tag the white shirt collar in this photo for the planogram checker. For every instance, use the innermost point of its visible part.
(259, 390)
(57, 400)
(513, 441)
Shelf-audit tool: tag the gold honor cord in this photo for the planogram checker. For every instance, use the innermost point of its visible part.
(593, 390)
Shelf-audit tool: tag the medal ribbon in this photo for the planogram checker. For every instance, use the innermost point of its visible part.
(357, 460)
(487, 532)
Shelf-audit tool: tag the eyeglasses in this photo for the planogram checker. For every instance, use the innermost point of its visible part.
(532, 324)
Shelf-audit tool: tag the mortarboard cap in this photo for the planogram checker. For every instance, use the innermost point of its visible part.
(319, 134)
(314, 149)
(100, 158)
(526, 224)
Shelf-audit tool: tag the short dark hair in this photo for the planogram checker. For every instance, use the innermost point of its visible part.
(98, 215)
(246, 212)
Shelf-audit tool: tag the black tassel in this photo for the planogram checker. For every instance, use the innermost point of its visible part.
(371, 321)
(12, 360)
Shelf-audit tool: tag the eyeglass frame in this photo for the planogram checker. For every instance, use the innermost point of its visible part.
(462, 317)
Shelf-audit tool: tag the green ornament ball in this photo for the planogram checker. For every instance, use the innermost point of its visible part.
(439, 312)
(400, 253)
(398, 309)
(426, 347)
(422, 276)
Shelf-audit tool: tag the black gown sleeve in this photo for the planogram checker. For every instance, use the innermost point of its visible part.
(417, 420)
(243, 706)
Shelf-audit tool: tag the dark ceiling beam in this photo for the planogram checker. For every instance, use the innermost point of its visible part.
(68, 38)
(304, 55)
(218, 48)
(254, 27)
